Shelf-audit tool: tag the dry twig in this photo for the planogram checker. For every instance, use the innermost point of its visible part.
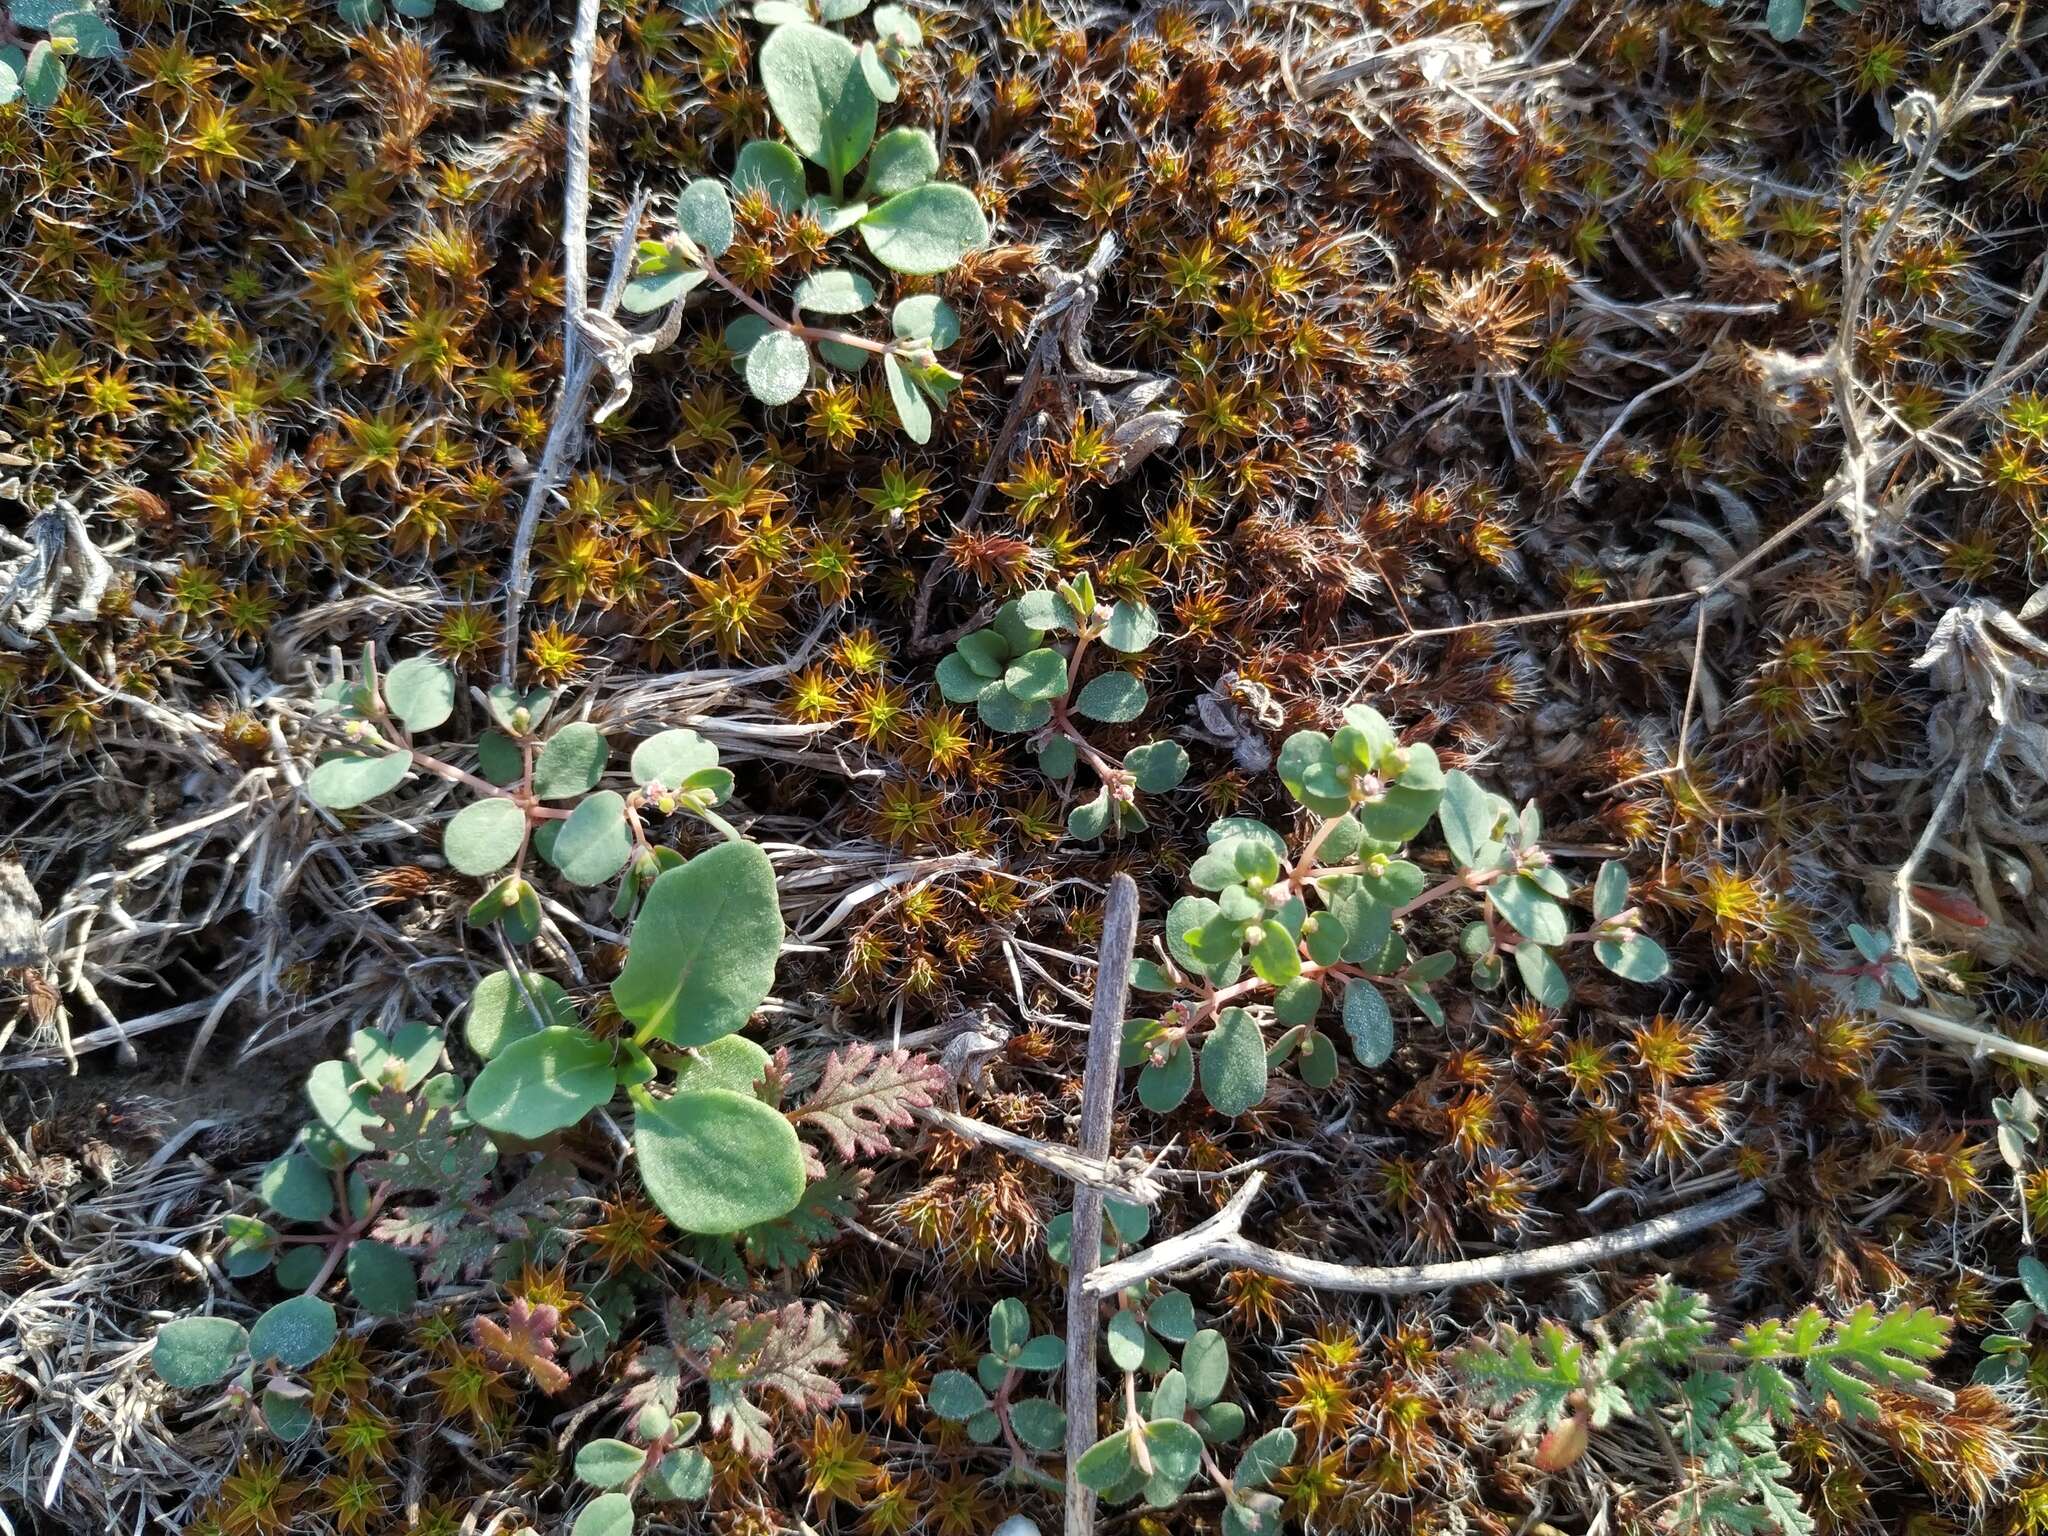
(1217, 1240)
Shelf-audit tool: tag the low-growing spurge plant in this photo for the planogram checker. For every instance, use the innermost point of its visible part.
(1719, 1404)
(536, 787)
(1171, 1433)
(35, 74)
(824, 93)
(1324, 925)
(1023, 682)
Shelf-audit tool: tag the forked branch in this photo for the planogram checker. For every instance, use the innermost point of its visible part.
(1218, 1240)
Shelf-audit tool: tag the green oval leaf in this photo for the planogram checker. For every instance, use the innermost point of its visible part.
(1131, 628)
(1039, 674)
(609, 1514)
(197, 1351)
(1176, 1451)
(1114, 697)
(731, 1062)
(1039, 1422)
(716, 1161)
(1056, 759)
(1125, 1337)
(544, 1083)
(350, 779)
(834, 291)
(381, 1279)
(1206, 1364)
(927, 229)
(341, 1103)
(295, 1186)
(396, 1058)
(608, 1463)
(1542, 976)
(1105, 1463)
(500, 1013)
(1534, 913)
(927, 318)
(43, 78)
(287, 1415)
(571, 762)
(774, 171)
(671, 757)
(595, 841)
(819, 95)
(1264, 1458)
(877, 75)
(1001, 710)
(1467, 815)
(704, 213)
(485, 836)
(1090, 819)
(1234, 1063)
(659, 282)
(702, 953)
(1638, 958)
(420, 692)
(298, 1266)
(1164, 1087)
(1369, 1023)
(778, 368)
(94, 37)
(902, 158)
(294, 1333)
(911, 410)
(684, 1474)
(956, 1396)
(1610, 890)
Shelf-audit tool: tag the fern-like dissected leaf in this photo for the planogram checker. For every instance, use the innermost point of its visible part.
(864, 1093)
(421, 1149)
(785, 1352)
(1534, 1389)
(740, 1355)
(1766, 1477)
(1771, 1390)
(788, 1241)
(1845, 1358)
(1673, 1325)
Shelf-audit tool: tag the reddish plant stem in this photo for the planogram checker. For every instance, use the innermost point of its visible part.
(795, 328)
(347, 1235)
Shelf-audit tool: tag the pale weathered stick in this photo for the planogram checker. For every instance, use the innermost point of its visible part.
(1098, 1100)
(1217, 1241)
(1128, 1179)
(565, 432)
(1977, 1040)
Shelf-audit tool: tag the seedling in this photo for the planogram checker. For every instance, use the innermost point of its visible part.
(658, 1465)
(1172, 1431)
(1020, 684)
(192, 1352)
(1327, 923)
(824, 93)
(537, 787)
